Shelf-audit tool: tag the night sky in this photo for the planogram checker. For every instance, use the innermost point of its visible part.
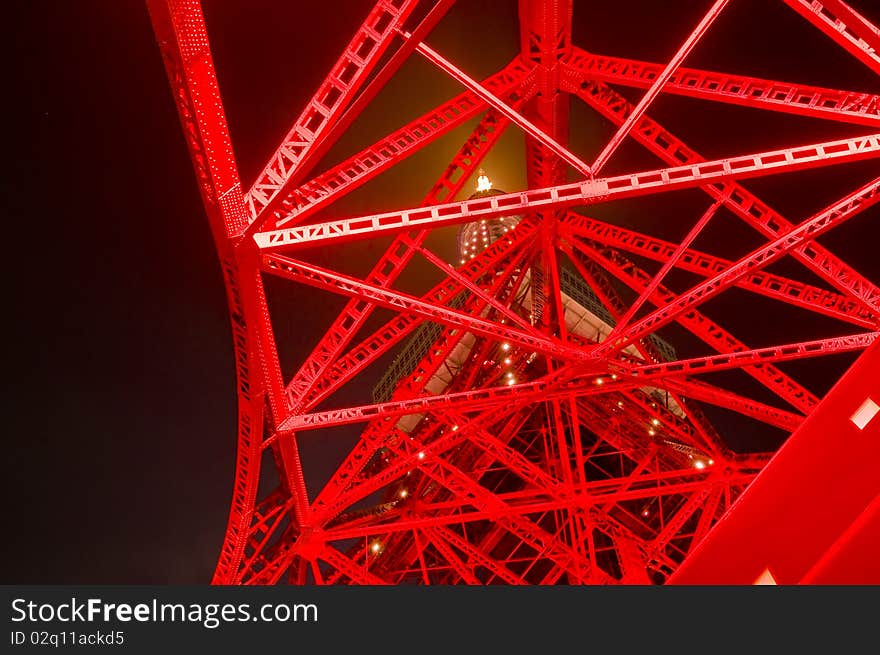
(120, 405)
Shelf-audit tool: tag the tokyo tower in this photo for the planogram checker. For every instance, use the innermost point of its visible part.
(558, 400)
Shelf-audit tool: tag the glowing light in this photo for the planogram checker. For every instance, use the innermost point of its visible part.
(507, 361)
(655, 421)
(483, 182)
(404, 493)
(454, 428)
(652, 431)
(620, 403)
(600, 381)
(710, 462)
(865, 413)
(375, 547)
(614, 376)
(645, 512)
(421, 454)
(699, 464)
(511, 381)
(505, 347)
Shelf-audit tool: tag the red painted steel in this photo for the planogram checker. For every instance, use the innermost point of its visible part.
(845, 26)
(536, 427)
(816, 498)
(817, 102)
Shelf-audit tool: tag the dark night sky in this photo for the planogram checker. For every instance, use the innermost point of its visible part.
(120, 400)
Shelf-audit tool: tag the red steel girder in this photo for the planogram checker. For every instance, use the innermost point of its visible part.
(722, 398)
(563, 384)
(736, 198)
(698, 324)
(180, 32)
(830, 217)
(391, 264)
(817, 102)
(656, 86)
(463, 400)
(497, 103)
(317, 276)
(694, 261)
(545, 40)
(814, 348)
(347, 76)
(850, 30)
(578, 193)
(512, 83)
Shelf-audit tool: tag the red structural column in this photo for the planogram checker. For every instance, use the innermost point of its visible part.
(180, 31)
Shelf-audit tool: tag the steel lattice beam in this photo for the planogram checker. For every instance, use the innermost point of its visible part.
(712, 363)
(391, 264)
(736, 198)
(694, 261)
(700, 326)
(349, 73)
(567, 384)
(512, 83)
(816, 102)
(849, 30)
(299, 271)
(566, 195)
(825, 220)
(537, 433)
(180, 31)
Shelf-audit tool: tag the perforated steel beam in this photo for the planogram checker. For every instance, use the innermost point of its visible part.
(348, 74)
(849, 30)
(566, 195)
(816, 102)
(814, 348)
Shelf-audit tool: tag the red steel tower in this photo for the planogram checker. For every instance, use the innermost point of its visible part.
(538, 424)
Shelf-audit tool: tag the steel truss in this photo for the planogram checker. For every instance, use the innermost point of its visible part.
(538, 435)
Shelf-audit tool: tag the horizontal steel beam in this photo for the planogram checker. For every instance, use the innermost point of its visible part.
(578, 193)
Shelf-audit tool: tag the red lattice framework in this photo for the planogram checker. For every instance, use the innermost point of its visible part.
(547, 455)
